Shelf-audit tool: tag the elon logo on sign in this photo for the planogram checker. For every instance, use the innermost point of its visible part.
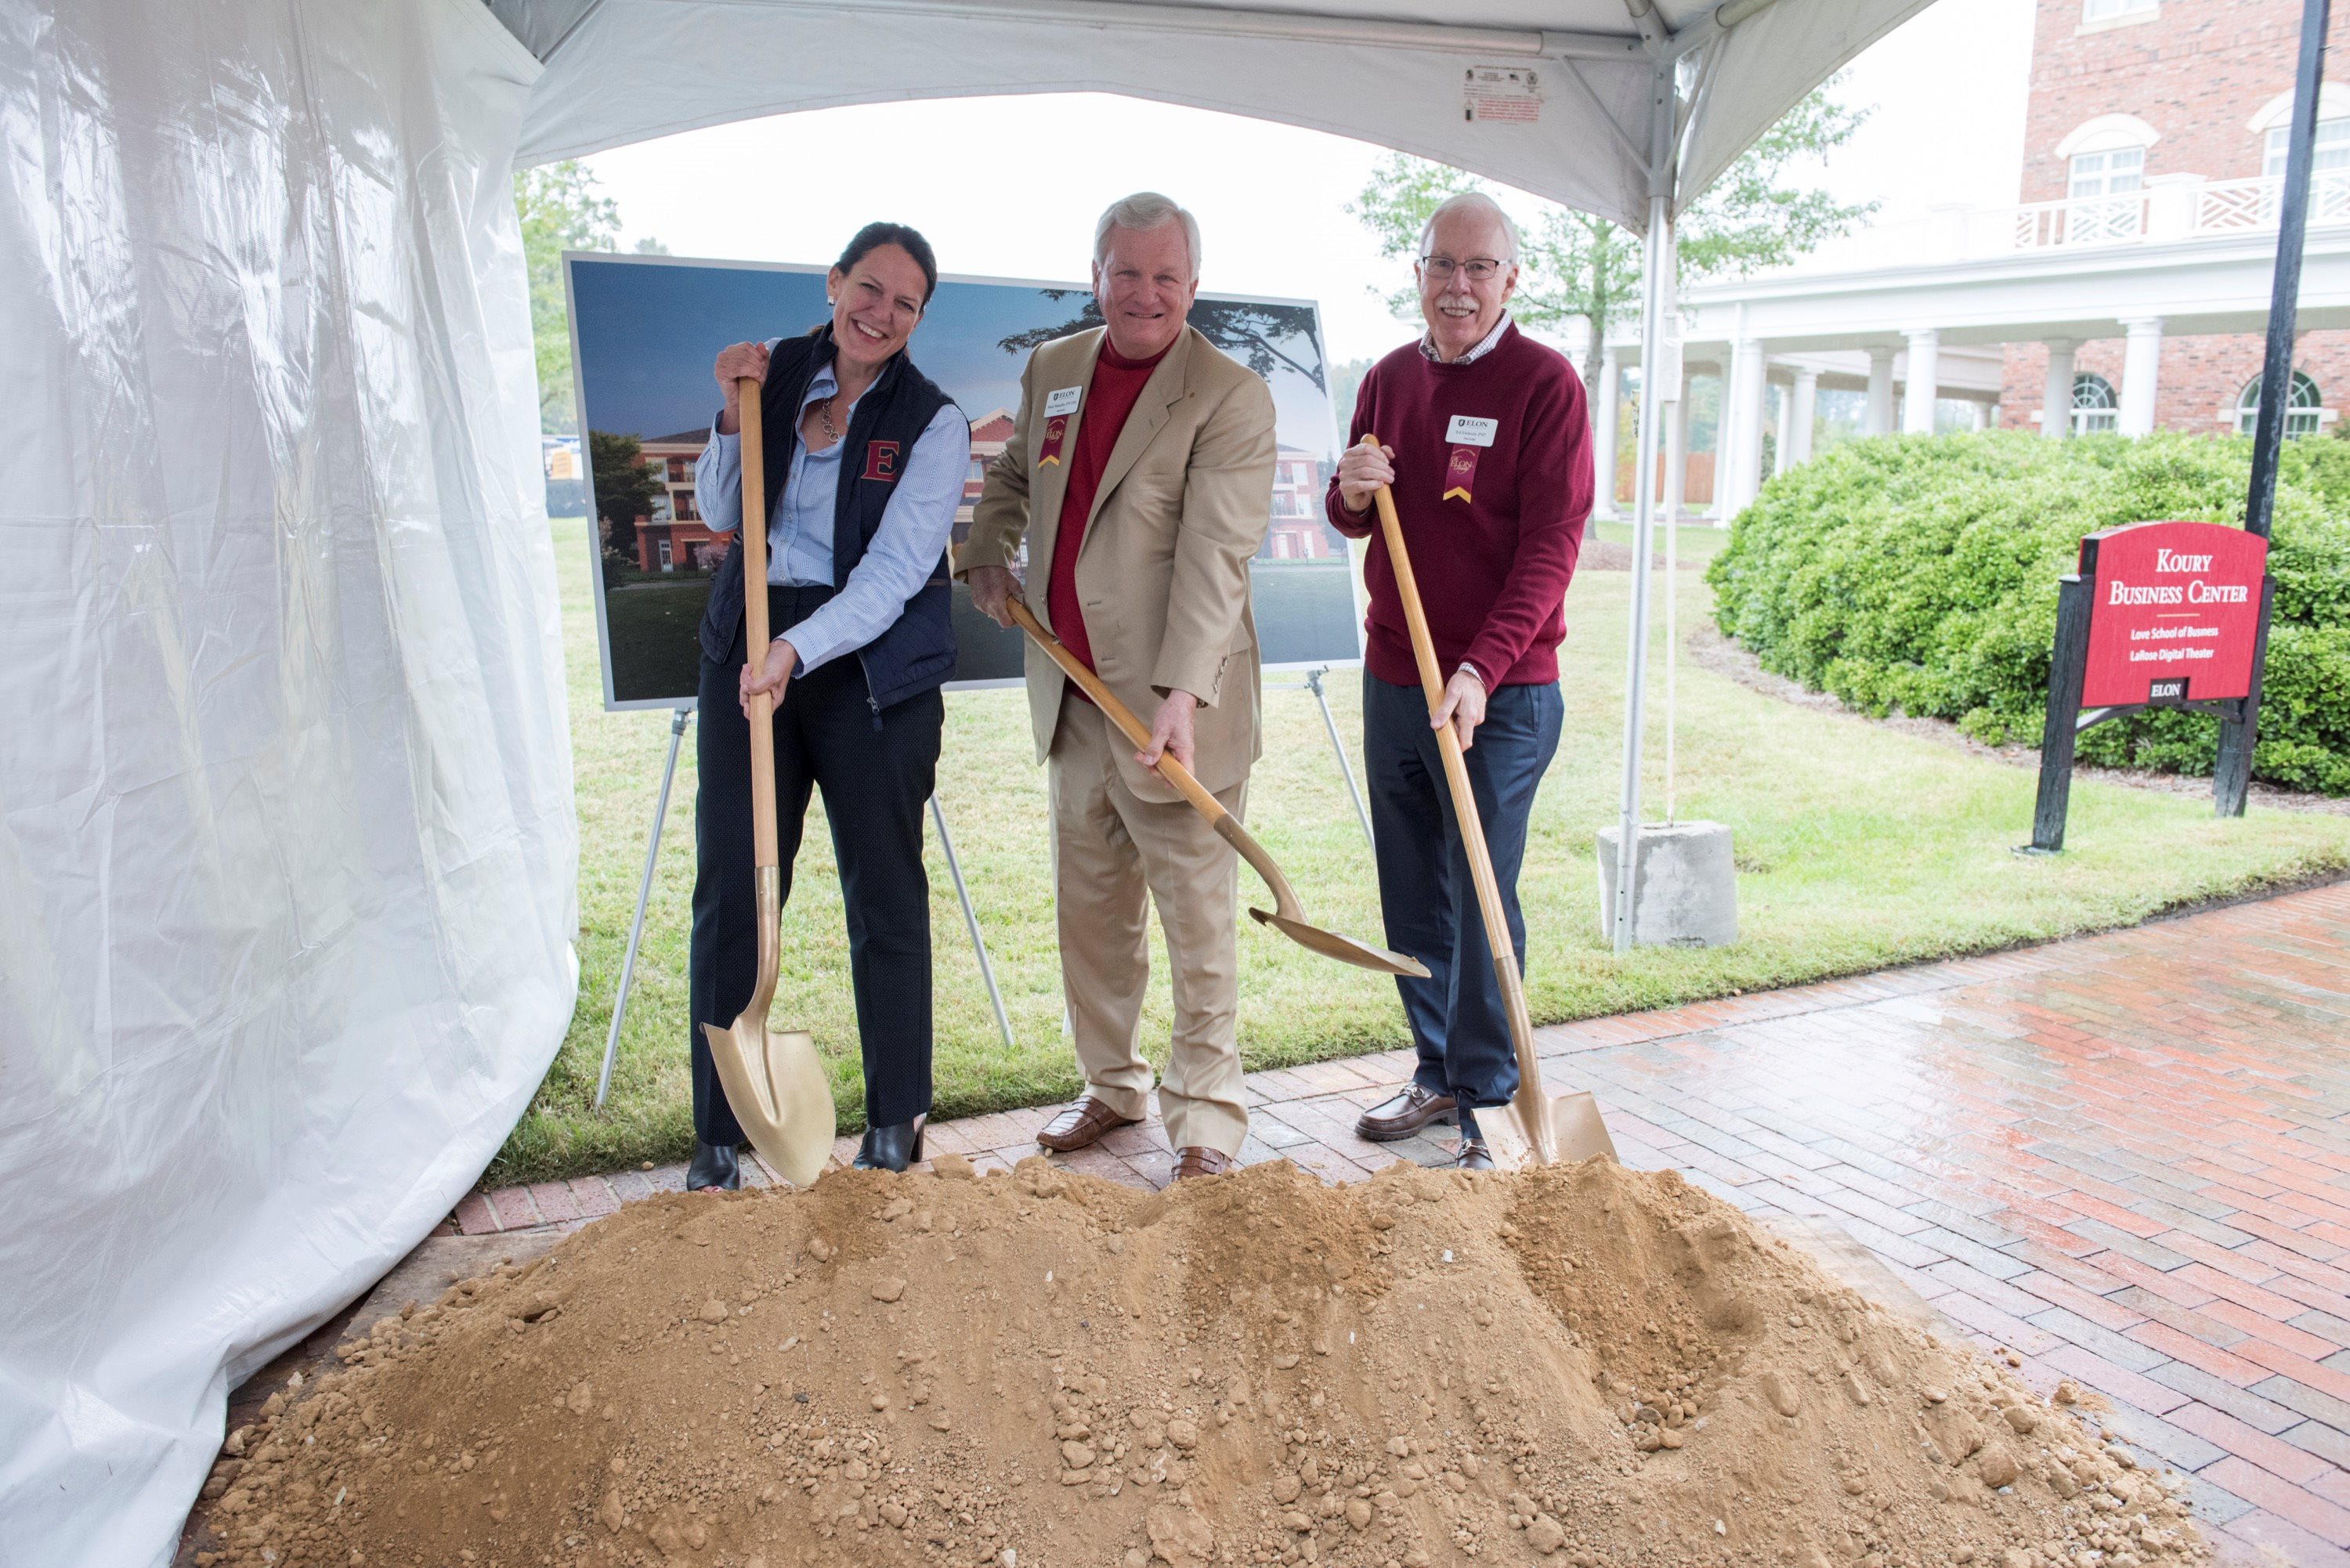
(2174, 613)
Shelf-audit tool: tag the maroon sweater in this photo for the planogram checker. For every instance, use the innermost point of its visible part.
(1492, 563)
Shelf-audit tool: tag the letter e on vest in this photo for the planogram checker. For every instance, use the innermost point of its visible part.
(881, 461)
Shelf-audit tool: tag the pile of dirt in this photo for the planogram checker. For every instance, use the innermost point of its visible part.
(1576, 1366)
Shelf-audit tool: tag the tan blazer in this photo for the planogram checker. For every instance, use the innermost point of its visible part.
(1163, 573)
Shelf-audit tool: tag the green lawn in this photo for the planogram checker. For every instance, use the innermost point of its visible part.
(1857, 847)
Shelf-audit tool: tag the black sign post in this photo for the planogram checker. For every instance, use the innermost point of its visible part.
(2067, 665)
(2232, 776)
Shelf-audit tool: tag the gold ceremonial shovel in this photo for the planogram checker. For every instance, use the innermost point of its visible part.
(775, 1081)
(1288, 916)
(1550, 1127)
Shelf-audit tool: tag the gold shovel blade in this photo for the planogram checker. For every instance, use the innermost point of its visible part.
(1346, 949)
(1572, 1121)
(777, 1085)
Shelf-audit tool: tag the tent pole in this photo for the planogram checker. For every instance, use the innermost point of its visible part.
(1655, 251)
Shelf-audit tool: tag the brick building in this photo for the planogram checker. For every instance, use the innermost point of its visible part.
(2142, 101)
(2127, 290)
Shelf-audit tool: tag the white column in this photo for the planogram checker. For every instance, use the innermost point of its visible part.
(2141, 363)
(1742, 442)
(1781, 459)
(1978, 415)
(1728, 424)
(1799, 422)
(1924, 370)
(2057, 393)
(1603, 434)
(1880, 392)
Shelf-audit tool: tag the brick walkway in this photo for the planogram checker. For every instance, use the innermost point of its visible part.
(2126, 1157)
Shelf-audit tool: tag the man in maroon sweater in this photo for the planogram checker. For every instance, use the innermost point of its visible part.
(1484, 439)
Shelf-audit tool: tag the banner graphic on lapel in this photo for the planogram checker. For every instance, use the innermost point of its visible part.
(1056, 431)
(647, 329)
(1461, 474)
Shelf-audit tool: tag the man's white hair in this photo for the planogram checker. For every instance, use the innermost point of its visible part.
(1472, 202)
(1143, 211)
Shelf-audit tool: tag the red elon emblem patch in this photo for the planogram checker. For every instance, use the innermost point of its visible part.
(1461, 474)
(881, 461)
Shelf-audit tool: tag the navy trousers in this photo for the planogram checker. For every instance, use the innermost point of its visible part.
(877, 773)
(1426, 893)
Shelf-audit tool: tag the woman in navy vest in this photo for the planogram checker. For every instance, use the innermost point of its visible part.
(865, 463)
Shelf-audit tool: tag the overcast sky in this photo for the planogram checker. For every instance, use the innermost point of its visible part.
(1010, 187)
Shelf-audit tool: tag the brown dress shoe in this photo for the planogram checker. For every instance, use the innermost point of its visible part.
(1472, 1155)
(1080, 1125)
(1194, 1160)
(1405, 1114)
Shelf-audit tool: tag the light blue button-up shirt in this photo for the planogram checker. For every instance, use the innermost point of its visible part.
(915, 526)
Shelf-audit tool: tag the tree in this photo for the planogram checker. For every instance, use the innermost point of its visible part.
(625, 487)
(1577, 266)
(1251, 332)
(560, 211)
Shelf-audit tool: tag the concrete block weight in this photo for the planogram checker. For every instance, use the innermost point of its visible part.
(1684, 885)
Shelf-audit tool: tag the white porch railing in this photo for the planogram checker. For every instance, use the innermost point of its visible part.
(2170, 208)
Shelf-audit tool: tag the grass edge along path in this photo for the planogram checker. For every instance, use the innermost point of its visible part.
(1857, 850)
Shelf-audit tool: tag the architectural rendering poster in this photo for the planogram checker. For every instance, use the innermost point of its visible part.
(646, 328)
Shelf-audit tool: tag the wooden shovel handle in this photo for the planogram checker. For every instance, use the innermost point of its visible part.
(1228, 826)
(1132, 728)
(1473, 832)
(1456, 770)
(754, 524)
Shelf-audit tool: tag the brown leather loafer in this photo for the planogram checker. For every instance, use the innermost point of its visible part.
(1472, 1155)
(1081, 1123)
(1405, 1114)
(1194, 1160)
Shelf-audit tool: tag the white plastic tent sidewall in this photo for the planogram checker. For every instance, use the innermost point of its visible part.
(287, 859)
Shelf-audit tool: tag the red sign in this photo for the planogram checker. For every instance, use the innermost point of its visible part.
(2174, 612)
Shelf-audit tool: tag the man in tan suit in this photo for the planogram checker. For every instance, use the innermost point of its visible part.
(1140, 473)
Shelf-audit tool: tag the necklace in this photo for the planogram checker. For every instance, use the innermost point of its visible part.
(823, 411)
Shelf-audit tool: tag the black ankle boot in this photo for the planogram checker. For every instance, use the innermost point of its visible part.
(891, 1147)
(713, 1165)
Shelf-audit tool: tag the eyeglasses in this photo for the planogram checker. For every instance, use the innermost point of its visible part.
(1481, 269)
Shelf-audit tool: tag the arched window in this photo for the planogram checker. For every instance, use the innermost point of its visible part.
(2093, 407)
(2300, 407)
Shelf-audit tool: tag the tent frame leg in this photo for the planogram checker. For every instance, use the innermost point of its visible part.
(1338, 748)
(677, 721)
(970, 921)
(1656, 254)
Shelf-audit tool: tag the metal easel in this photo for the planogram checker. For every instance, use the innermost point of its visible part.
(645, 888)
(644, 891)
(1346, 769)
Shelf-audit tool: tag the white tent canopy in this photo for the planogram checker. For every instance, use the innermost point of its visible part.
(1390, 72)
(286, 857)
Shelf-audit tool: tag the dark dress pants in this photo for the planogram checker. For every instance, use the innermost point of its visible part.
(877, 773)
(1426, 893)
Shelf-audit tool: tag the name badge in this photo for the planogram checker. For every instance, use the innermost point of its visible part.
(1466, 431)
(1063, 400)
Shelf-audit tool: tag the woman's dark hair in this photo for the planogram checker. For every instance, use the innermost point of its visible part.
(873, 236)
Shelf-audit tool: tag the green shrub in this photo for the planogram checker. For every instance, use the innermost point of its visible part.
(1918, 573)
